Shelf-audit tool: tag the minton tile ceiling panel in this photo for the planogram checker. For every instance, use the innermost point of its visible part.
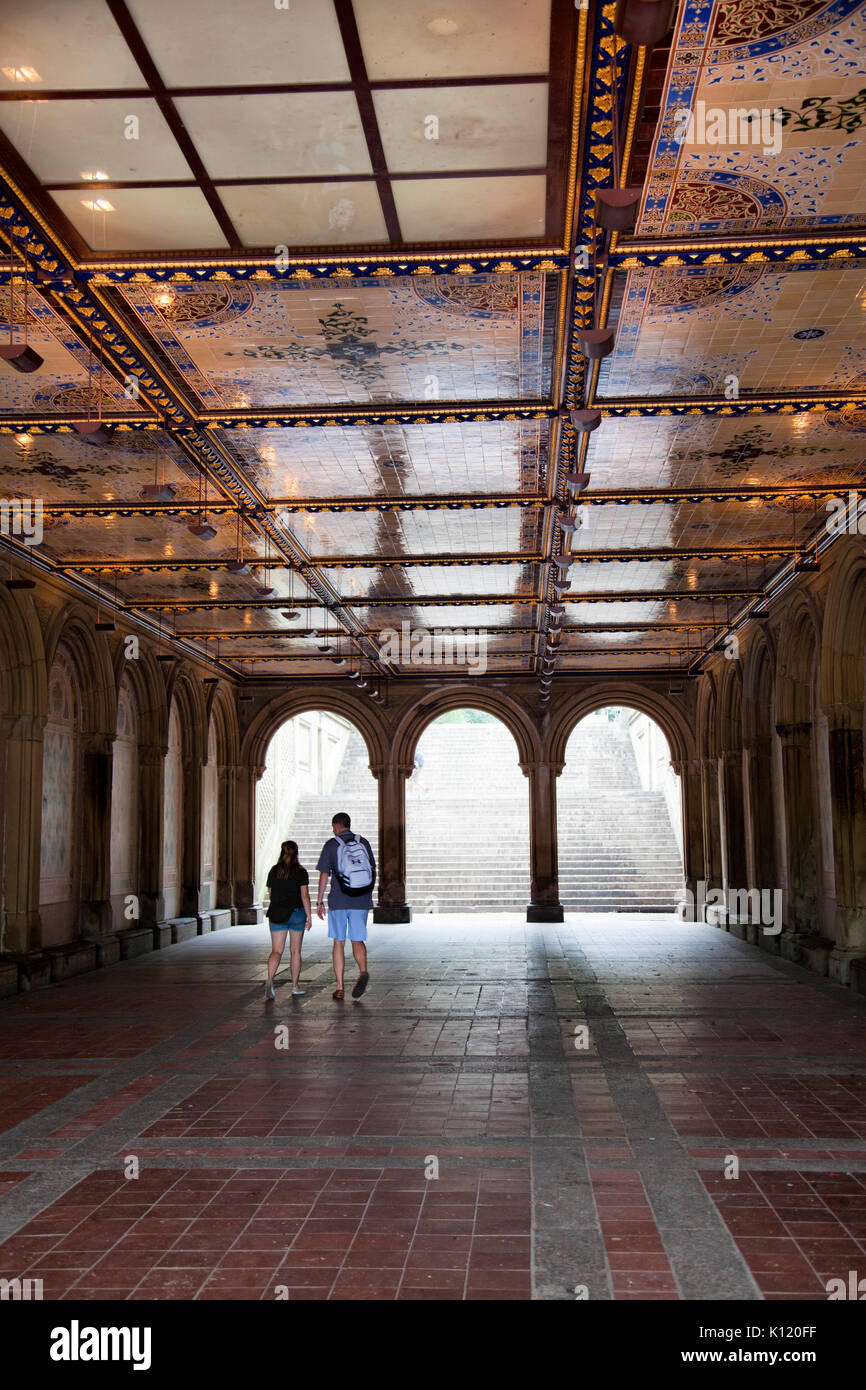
(486, 127)
(69, 379)
(692, 524)
(420, 581)
(215, 42)
(415, 533)
(259, 135)
(62, 139)
(694, 451)
(656, 611)
(144, 219)
(64, 468)
(801, 66)
(471, 39)
(688, 331)
(355, 461)
(143, 539)
(256, 619)
(467, 617)
(658, 576)
(306, 214)
(70, 46)
(471, 209)
(410, 339)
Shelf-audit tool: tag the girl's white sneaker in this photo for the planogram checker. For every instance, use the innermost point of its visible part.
(269, 990)
(295, 990)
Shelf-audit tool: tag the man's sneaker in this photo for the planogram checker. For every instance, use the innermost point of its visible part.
(295, 990)
(269, 990)
(363, 981)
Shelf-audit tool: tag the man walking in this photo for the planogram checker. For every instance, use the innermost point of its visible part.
(348, 860)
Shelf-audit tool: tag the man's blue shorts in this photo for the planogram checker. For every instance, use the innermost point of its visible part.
(352, 918)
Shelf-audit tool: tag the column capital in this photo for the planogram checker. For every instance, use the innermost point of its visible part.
(534, 764)
(689, 766)
(100, 744)
(380, 770)
(842, 716)
(25, 727)
(794, 733)
(152, 754)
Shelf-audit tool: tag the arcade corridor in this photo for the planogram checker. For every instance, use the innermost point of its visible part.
(559, 1168)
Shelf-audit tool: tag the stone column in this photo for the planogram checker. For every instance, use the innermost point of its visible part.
(731, 773)
(845, 736)
(95, 822)
(227, 783)
(190, 898)
(761, 819)
(544, 905)
(711, 823)
(800, 828)
(689, 773)
(391, 878)
(246, 907)
(23, 833)
(151, 775)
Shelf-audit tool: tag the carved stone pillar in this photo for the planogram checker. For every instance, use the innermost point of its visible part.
(95, 822)
(151, 783)
(391, 879)
(23, 833)
(246, 907)
(689, 773)
(735, 874)
(544, 905)
(227, 782)
(711, 823)
(761, 816)
(845, 736)
(800, 828)
(191, 895)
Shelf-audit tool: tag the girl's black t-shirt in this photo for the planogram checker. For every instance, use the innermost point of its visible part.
(286, 893)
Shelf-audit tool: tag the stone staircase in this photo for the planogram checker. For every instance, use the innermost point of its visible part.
(617, 849)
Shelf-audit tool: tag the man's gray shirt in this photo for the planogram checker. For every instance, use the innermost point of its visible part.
(328, 865)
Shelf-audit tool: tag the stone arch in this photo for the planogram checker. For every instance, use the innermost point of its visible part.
(469, 696)
(706, 720)
(23, 705)
(799, 641)
(125, 829)
(147, 682)
(843, 646)
(759, 677)
(254, 743)
(89, 651)
(185, 689)
(729, 709)
(23, 665)
(64, 802)
(670, 719)
(223, 714)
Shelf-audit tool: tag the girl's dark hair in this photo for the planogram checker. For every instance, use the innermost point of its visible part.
(287, 865)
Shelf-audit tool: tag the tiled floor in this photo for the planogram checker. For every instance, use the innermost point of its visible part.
(619, 1108)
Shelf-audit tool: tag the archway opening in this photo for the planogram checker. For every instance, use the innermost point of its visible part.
(316, 764)
(467, 818)
(619, 816)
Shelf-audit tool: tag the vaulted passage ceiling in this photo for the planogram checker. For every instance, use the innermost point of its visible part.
(320, 272)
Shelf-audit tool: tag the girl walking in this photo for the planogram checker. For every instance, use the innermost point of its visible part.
(288, 913)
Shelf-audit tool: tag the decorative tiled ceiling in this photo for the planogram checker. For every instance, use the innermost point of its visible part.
(315, 273)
